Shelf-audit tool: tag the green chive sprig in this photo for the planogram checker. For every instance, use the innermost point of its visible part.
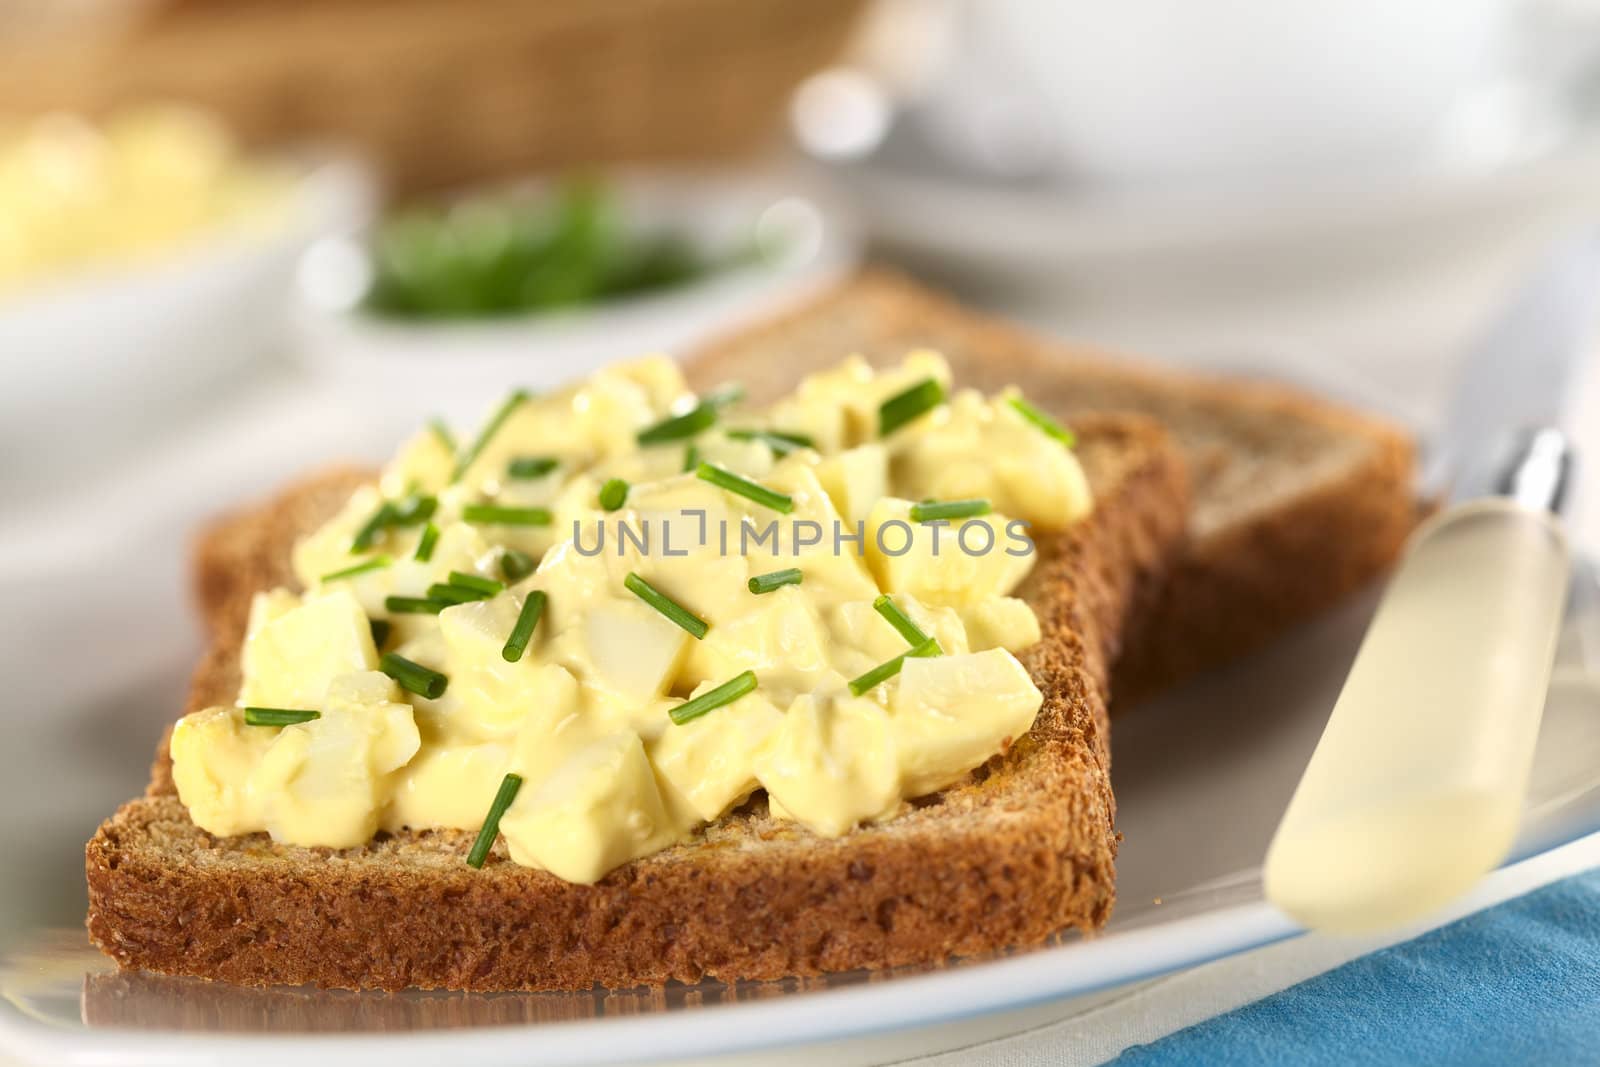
(442, 432)
(723, 478)
(907, 405)
(712, 699)
(407, 512)
(675, 612)
(379, 521)
(934, 511)
(1044, 422)
(486, 586)
(691, 457)
(675, 428)
(515, 565)
(376, 563)
(413, 677)
(491, 823)
(780, 441)
(501, 515)
(430, 538)
(766, 583)
(381, 629)
(528, 467)
(889, 668)
(454, 594)
(490, 428)
(903, 623)
(414, 605)
(278, 716)
(613, 494)
(522, 632)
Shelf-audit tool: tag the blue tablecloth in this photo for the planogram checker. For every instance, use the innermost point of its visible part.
(1516, 984)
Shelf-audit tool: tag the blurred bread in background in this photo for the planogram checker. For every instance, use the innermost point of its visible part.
(437, 93)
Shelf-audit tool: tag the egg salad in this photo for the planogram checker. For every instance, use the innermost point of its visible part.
(620, 609)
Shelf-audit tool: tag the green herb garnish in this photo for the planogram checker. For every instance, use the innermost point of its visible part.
(491, 823)
(780, 441)
(696, 420)
(949, 509)
(486, 586)
(889, 668)
(515, 565)
(413, 677)
(379, 521)
(492, 427)
(381, 629)
(691, 458)
(712, 699)
(442, 432)
(733, 483)
(500, 515)
(454, 594)
(613, 494)
(674, 611)
(766, 583)
(1044, 422)
(522, 632)
(430, 537)
(903, 623)
(414, 605)
(376, 563)
(278, 716)
(907, 405)
(531, 466)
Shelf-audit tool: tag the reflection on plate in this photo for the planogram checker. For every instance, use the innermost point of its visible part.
(1202, 775)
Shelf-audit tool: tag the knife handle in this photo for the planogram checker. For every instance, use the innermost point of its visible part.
(1415, 789)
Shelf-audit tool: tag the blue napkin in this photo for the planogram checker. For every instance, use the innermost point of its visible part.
(1518, 983)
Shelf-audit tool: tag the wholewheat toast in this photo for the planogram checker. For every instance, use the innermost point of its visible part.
(1023, 850)
(1298, 502)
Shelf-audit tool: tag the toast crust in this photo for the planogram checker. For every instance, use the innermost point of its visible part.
(1024, 850)
(1250, 571)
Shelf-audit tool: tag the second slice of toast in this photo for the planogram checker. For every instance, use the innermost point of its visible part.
(1022, 851)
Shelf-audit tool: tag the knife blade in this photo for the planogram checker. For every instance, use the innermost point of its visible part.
(1415, 788)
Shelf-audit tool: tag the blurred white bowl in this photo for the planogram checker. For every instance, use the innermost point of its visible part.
(102, 355)
(452, 365)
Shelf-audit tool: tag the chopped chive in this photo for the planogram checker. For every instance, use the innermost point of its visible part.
(375, 525)
(766, 583)
(674, 611)
(473, 581)
(902, 622)
(497, 514)
(733, 483)
(905, 406)
(723, 395)
(381, 629)
(949, 509)
(491, 822)
(1044, 422)
(696, 420)
(413, 509)
(889, 668)
(430, 537)
(691, 458)
(515, 565)
(613, 494)
(781, 442)
(413, 676)
(492, 427)
(531, 466)
(454, 594)
(442, 432)
(376, 563)
(278, 716)
(414, 605)
(522, 632)
(712, 699)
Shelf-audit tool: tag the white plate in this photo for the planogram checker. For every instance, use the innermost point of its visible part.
(1201, 776)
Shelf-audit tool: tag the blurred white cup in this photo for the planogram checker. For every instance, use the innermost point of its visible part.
(1179, 91)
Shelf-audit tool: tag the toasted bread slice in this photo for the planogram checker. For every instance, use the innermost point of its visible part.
(1297, 502)
(1023, 850)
